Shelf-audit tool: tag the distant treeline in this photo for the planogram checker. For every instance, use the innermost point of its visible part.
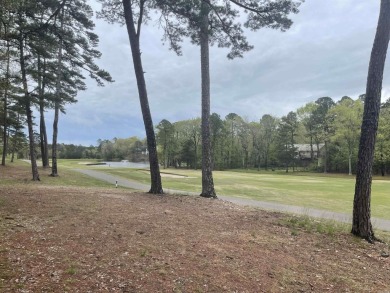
(132, 149)
(319, 136)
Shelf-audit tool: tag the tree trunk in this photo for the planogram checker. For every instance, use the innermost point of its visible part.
(326, 157)
(43, 136)
(383, 168)
(318, 156)
(42, 124)
(27, 105)
(350, 164)
(134, 37)
(5, 138)
(54, 168)
(311, 147)
(207, 175)
(195, 153)
(361, 224)
(14, 142)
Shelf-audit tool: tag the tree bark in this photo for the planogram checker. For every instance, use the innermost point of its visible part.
(361, 223)
(207, 175)
(27, 105)
(326, 157)
(14, 143)
(42, 124)
(134, 37)
(54, 167)
(350, 164)
(5, 138)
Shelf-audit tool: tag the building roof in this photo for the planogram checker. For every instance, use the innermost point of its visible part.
(306, 147)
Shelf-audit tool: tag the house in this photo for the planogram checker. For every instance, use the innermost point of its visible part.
(303, 151)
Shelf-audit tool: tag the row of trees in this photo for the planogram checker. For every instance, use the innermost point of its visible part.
(132, 149)
(330, 129)
(46, 48)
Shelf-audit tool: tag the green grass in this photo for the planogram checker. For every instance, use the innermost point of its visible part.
(331, 192)
(321, 191)
(306, 223)
(66, 177)
(71, 270)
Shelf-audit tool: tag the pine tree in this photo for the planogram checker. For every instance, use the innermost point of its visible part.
(133, 14)
(208, 22)
(361, 223)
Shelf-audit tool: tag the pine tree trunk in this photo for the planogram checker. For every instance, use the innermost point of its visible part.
(207, 175)
(54, 168)
(43, 136)
(134, 37)
(14, 142)
(27, 104)
(5, 125)
(5, 140)
(42, 124)
(361, 224)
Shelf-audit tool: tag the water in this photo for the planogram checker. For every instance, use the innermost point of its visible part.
(126, 164)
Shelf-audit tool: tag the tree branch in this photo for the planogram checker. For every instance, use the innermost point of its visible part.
(248, 8)
(141, 13)
(225, 28)
(56, 12)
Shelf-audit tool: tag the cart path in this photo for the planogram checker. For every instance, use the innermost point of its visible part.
(381, 224)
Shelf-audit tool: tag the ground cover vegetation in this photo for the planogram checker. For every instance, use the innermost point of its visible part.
(78, 239)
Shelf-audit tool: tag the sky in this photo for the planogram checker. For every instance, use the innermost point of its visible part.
(325, 53)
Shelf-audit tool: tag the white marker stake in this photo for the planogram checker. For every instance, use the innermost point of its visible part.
(116, 183)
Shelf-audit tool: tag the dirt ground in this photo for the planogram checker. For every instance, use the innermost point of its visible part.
(68, 239)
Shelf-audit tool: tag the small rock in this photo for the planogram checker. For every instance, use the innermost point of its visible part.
(384, 254)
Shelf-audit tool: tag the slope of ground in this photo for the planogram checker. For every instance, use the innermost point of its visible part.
(72, 239)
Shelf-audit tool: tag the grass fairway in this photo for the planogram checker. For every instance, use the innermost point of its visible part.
(329, 192)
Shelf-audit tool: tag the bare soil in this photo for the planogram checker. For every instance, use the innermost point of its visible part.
(69, 239)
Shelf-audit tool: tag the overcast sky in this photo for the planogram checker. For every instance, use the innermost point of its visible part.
(325, 53)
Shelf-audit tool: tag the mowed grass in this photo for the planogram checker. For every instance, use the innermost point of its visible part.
(66, 177)
(321, 191)
(328, 192)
